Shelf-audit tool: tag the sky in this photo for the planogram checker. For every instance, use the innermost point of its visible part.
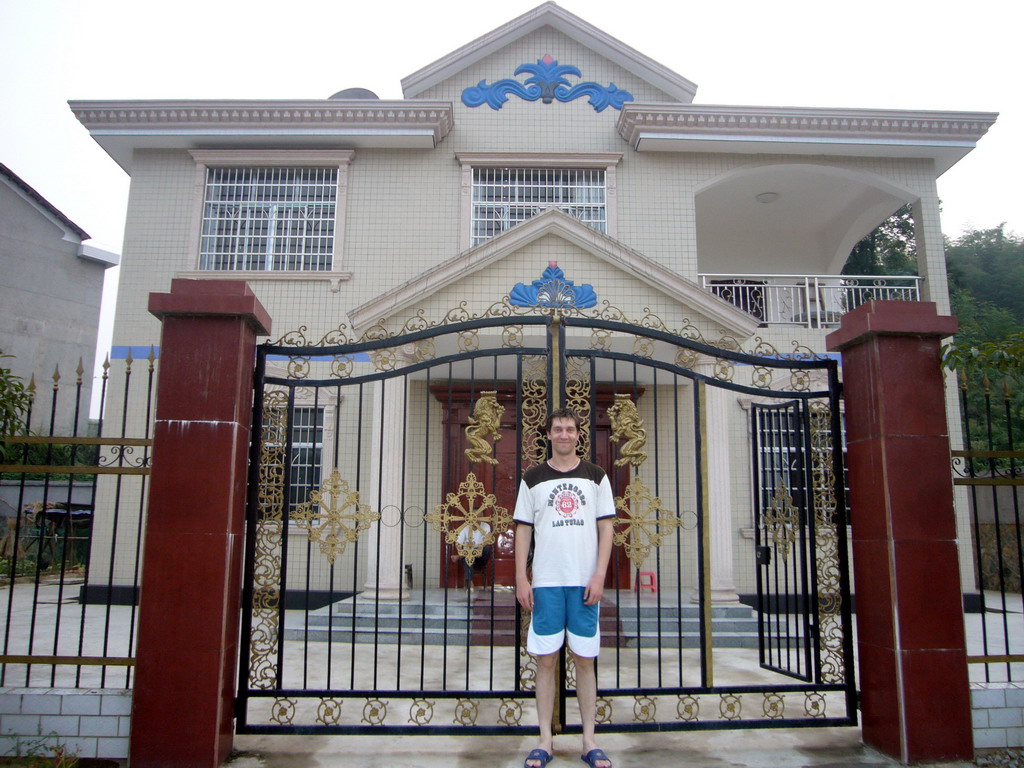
(913, 54)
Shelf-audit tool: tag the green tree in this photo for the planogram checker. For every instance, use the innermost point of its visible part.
(890, 249)
(989, 265)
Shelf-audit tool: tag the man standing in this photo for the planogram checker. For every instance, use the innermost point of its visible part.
(566, 504)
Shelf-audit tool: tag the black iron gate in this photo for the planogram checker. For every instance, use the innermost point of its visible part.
(379, 461)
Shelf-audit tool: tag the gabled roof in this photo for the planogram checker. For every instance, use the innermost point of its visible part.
(552, 221)
(571, 26)
(42, 203)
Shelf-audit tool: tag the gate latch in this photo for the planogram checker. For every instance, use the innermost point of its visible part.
(763, 555)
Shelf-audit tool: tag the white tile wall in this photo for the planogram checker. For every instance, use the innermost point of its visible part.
(997, 711)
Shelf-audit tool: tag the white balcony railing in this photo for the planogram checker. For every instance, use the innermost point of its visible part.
(811, 301)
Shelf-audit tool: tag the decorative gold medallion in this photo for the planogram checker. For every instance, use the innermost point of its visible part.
(470, 519)
(780, 521)
(643, 524)
(330, 524)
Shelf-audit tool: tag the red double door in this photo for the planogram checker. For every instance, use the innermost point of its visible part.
(502, 480)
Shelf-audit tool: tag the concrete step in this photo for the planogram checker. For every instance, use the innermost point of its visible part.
(491, 619)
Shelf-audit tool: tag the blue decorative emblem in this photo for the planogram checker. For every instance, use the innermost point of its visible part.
(547, 83)
(553, 291)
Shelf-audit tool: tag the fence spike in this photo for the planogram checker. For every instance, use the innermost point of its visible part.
(128, 360)
(986, 384)
(79, 371)
(106, 366)
(1007, 391)
(56, 377)
(151, 357)
(32, 386)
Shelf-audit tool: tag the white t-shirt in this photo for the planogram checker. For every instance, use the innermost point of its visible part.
(563, 508)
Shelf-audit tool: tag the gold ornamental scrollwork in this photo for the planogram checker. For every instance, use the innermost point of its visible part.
(688, 709)
(628, 426)
(815, 705)
(826, 539)
(774, 706)
(534, 409)
(643, 524)
(510, 712)
(466, 712)
(421, 712)
(730, 706)
(328, 712)
(645, 709)
(283, 711)
(780, 521)
(333, 516)
(268, 535)
(485, 422)
(577, 397)
(470, 518)
(375, 712)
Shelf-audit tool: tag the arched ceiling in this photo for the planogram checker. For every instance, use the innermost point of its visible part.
(788, 218)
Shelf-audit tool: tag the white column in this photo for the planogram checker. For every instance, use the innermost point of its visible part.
(719, 489)
(385, 560)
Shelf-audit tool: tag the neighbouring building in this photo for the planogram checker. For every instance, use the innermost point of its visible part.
(51, 284)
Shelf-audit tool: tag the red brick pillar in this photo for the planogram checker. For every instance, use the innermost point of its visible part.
(915, 701)
(182, 714)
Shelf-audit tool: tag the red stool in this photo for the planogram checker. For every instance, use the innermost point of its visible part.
(646, 580)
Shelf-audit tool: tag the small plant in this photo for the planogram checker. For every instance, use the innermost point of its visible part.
(15, 400)
(43, 752)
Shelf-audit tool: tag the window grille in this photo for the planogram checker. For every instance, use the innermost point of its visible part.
(504, 197)
(269, 219)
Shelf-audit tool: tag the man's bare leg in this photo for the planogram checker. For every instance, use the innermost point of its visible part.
(586, 697)
(547, 666)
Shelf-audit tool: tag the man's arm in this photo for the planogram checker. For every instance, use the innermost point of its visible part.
(524, 590)
(595, 587)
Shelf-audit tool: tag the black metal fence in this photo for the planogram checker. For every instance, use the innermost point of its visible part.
(373, 456)
(990, 468)
(72, 511)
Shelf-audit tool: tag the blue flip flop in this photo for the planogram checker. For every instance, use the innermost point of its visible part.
(539, 755)
(593, 756)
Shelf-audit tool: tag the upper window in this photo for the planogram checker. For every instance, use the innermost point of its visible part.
(269, 219)
(504, 197)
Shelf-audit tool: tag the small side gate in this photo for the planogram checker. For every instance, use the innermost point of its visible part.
(380, 463)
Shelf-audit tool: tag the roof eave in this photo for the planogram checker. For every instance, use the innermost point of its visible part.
(944, 137)
(121, 127)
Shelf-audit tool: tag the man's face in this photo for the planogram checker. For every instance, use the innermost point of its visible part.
(563, 436)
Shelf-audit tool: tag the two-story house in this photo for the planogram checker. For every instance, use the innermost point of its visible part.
(545, 140)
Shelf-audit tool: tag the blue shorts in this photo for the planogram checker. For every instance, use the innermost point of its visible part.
(558, 611)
